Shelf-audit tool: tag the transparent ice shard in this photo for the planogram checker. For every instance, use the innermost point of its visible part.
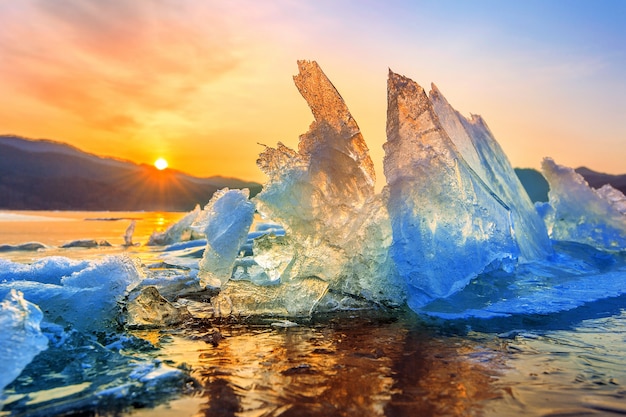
(448, 225)
(148, 309)
(323, 195)
(179, 231)
(579, 213)
(226, 222)
(481, 151)
(21, 339)
(296, 298)
(273, 254)
(320, 187)
(128, 234)
(613, 196)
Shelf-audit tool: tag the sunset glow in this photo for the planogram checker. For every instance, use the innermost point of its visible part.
(205, 82)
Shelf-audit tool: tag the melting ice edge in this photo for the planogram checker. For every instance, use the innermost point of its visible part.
(453, 234)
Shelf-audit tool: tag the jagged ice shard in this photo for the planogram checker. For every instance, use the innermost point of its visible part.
(448, 225)
(576, 212)
(226, 220)
(180, 230)
(337, 230)
(21, 337)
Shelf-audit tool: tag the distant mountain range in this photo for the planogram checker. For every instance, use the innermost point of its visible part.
(48, 175)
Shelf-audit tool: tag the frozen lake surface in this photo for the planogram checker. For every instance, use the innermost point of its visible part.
(362, 362)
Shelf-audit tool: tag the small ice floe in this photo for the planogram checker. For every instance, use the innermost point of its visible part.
(85, 243)
(23, 247)
(284, 324)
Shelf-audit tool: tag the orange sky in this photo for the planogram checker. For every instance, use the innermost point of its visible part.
(201, 83)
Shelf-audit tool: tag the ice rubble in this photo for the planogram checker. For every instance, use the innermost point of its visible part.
(87, 296)
(77, 298)
(576, 212)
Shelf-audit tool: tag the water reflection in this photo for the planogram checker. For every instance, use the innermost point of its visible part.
(344, 368)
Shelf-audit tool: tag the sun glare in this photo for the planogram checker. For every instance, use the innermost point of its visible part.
(160, 164)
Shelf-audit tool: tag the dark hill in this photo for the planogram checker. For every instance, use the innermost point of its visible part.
(47, 175)
(534, 182)
(598, 179)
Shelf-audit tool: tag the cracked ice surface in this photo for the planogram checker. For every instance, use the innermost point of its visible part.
(448, 226)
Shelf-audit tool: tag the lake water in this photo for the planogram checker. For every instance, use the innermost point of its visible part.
(362, 363)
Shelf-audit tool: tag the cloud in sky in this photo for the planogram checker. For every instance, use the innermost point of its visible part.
(111, 62)
(204, 80)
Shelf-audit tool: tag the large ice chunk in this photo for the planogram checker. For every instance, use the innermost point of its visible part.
(481, 151)
(148, 309)
(89, 299)
(448, 225)
(296, 298)
(21, 338)
(319, 188)
(323, 195)
(579, 213)
(226, 221)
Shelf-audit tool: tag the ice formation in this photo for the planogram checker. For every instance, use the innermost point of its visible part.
(226, 221)
(21, 337)
(48, 270)
(576, 212)
(448, 225)
(336, 227)
(128, 234)
(614, 196)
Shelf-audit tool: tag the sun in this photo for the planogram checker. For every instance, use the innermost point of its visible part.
(160, 164)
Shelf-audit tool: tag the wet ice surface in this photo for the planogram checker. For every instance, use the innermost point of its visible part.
(579, 369)
(348, 365)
